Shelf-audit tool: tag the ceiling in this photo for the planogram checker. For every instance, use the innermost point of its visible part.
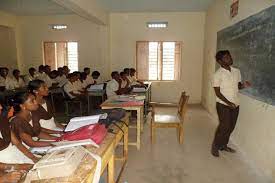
(32, 7)
(155, 5)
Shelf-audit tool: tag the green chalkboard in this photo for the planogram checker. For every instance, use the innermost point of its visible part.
(252, 45)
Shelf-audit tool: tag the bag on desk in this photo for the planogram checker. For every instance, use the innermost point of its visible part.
(113, 116)
(95, 132)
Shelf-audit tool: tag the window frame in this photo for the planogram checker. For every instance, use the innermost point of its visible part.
(179, 64)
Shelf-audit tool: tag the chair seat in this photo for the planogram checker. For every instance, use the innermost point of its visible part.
(166, 118)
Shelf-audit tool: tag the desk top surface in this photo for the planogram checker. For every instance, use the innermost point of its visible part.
(88, 164)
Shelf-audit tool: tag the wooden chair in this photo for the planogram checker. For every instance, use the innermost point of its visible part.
(160, 120)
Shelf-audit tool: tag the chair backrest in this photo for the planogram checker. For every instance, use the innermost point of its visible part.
(183, 105)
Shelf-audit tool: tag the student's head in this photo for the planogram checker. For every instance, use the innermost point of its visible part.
(24, 102)
(38, 88)
(72, 77)
(60, 71)
(47, 69)
(32, 71)
(126, 71)
(53, 74)
(78, 74)
(223, 57)
(115, 75)
(16, 73)
(132, 72)
(95, 74)
(83, 76)
(87, 70)
(123, 75)
(41, 68)
(66, 70)
(3, 72)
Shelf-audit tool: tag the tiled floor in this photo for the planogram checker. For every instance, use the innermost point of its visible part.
(168, 162)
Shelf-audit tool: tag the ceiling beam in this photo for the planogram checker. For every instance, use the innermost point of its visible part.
(88, 9)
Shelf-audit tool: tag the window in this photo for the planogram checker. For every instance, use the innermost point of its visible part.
(158, 60)
(58, 54)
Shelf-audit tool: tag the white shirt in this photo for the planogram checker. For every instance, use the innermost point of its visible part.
(228, 83)
(2, 81)
(29, 78)
(69, 87)
(61, 80)
(13, 83)
(78, 85)
(111, 88)
(123, 83)
(89, 80)
(44, 77)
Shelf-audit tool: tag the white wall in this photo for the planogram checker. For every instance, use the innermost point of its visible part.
(92, 40)
(8, 36)
(254, 133)
(127, 28)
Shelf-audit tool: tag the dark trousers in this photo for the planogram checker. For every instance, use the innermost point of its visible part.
(227, 122)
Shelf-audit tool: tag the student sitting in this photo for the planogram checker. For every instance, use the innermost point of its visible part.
(125, 83)
(31, 76)
(95, 76)
(66, 70)
(11, 149)
(3, 78)
(22, 124)
(132, 78)
(70, 88)
(78, 84)
(61, 78)
(43, 74)
(83, 79)
(113, 87)
(89, 80)
(15, 81)
(43, 116)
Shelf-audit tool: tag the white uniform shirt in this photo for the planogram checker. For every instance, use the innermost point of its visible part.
(69, 87)
(123, 83)
(2, 81)
(78, 85)
(228, 83)
(89, 80)
(61, 80)
(29, 78)
(111, 88)
(44, 77)
(13, 83)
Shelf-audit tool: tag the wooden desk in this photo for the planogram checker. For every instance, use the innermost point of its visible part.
(110, 104)
(86, 169)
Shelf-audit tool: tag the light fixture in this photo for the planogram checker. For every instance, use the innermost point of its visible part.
(157, 24)
(58, 26)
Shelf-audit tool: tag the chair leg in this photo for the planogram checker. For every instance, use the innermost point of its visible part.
(180, 134)
(152, 132)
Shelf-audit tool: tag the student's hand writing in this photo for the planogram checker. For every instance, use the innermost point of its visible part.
(11, 177)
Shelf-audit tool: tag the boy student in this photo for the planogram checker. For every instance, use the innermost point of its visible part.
(43, 74)
(70, 88)
(31, 76)
(3, 77)
(61, 78)
(125, 83)
(95, 76)
(226, 83)
(133, 79)
(16, 81)
(89, 80)
(113, 87)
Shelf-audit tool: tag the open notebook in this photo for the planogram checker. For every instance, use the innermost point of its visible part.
(79, 122)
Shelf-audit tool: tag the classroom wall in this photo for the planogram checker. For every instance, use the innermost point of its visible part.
(92, 40)
(127, 28)
(254, 133)
(8, 35)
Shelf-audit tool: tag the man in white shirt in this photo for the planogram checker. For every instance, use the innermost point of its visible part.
(61, 79)
(15, 81)
(3, 77)
(89, 79)
(132, 78)
(95, 76)
(226, 83)
(43, 72)
(31, 76)
(113, 87)
(125, 83)
(70, 88)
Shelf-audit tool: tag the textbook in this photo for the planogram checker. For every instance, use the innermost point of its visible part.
(78, 122)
